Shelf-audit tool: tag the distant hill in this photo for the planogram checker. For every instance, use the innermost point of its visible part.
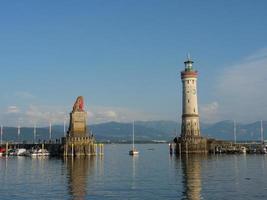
(224, 130)
(144, 131)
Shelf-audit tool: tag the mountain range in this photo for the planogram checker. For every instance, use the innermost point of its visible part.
(145, 131)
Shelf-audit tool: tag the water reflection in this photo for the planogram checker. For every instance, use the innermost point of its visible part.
(134, 160)
(79, 169)
(191, 167)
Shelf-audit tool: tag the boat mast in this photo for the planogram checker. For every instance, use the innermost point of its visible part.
(235, 131)
(50, 131)
(133, 135)
(18, 132)
(34, 133)
(262, 140)
(64, 127)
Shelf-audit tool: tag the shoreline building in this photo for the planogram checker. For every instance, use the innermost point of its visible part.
(190, 140)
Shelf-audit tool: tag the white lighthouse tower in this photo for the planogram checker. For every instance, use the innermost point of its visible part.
(190, 140)
(190, 117)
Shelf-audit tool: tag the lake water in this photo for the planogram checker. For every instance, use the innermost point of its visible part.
(154, 174)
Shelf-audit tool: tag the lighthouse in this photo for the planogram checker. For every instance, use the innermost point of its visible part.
(190, 116)
(190, 140)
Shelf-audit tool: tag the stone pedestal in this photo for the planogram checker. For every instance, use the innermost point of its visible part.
(195, 144)
(77, 126)
(79, 146)
(79, 142)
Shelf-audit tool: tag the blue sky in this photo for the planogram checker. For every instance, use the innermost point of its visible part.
(125, 56)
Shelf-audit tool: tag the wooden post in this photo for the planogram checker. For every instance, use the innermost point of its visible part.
(180, 149)
(95, 147)
(186, 147)
(101, 147)
(67, 148)
(7, 149)
(89, 149)
(72, 150)
(64, 150)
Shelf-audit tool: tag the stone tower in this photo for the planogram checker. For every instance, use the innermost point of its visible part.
(190, 117)
(77, 127)
(190, 140)
(79, 141)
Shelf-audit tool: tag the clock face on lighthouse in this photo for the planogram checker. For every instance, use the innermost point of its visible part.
(188, 89)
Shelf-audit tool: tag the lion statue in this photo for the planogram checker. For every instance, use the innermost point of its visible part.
(78, 105)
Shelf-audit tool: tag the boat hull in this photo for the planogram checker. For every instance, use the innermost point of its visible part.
(133, 152)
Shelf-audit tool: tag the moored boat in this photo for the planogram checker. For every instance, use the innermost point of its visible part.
(264, 148)
(243, 149)
(20, 152)
(2, 151)
(133, 151)
(37, 152)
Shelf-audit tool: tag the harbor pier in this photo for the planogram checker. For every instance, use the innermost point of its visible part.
(213, 146)
(55, 149)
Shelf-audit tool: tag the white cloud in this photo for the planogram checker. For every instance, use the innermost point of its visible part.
(33, 114)
(12, 109)
(260, 54)
(100, 114)
(90, 114)
(241, 89)
(106, 115)
(209, 112)
(41, 115)
(45, 114)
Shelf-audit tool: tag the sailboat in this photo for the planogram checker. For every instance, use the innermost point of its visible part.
(133, 151)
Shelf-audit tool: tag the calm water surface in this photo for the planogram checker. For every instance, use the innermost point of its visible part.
(154, 174)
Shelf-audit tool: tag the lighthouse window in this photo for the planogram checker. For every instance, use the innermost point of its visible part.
(188, 100)
(194, 110)
(193, 81)
(187, 81)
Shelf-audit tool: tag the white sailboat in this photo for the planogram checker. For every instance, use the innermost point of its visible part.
(133, 151)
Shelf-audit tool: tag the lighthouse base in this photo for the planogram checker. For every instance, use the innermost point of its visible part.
(193, 144)
(79, 146)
